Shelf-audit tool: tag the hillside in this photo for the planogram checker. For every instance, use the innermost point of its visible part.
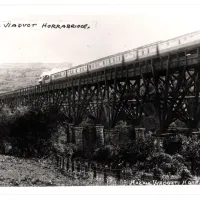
(18, 75)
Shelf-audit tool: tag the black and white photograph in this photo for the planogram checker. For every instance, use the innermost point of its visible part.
(100, 98)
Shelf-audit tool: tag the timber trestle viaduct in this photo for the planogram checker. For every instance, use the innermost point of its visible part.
(169, 82)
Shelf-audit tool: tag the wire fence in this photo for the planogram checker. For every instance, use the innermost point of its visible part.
(93, 171)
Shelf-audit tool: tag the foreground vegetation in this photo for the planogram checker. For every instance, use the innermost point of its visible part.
(34, 172)
(42, 133)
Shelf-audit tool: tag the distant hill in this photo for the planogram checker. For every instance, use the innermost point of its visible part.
(19, 75)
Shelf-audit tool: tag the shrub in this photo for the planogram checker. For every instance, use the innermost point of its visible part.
(173, 144)
(185, 174)
(157, 174)
(168, 164)
(107, 153)
(191, 153)
(29, 129)
(160, 158)
(137, 150)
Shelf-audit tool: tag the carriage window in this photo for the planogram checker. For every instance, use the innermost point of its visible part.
(103, 63)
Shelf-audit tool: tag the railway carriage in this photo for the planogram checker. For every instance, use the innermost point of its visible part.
(143, 52)
(147, 51)
(106, 62)
(179, 42)
(59, 76)
(79, 70)
(130, 56)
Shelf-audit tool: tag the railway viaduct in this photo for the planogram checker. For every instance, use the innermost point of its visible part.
(170, 82)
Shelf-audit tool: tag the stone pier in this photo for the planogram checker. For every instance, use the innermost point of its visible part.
(139, 133)
(71, 136)
(111, 137)
(100, 135)
(158, 142)
(78, 136)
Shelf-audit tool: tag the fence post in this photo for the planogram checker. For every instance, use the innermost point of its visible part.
(118, 173)
(73, 165)
(124, 174)
(78, 166)
(60, 162)
(67, 164)
(85, 168)
(58, 165)
(89, 167)
(95, 170)
(105, 174)
(57, 161)
(63, 163)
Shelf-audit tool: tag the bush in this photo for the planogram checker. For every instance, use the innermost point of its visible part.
(185, 174)
(160, 158)
(29, 130)
(157, 174)
(108, 153)
(137, 150)
(168, 164)
(191, 153)
(173, 144)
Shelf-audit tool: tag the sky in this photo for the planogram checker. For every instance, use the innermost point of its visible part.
(112, 30)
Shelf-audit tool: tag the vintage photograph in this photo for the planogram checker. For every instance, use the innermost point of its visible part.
(100, 100)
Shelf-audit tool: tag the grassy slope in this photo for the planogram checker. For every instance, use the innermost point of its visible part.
(36, 172)
(18, 75)
(30, 172)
